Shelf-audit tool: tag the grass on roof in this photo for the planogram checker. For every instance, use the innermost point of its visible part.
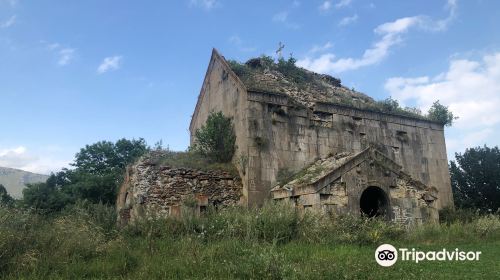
(190, 160)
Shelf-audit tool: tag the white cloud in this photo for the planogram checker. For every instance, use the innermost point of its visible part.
(237, 42)
(66, 56)
(281, 16)
(53, 46)
(343, 3)
(20, 158)
(205, 4)
(235, 39)
(397, 26)
(470, 88)
(11, 3)
(110, 63)
(320, 49)
(325, 6)
(390, 35)
(348, 20)
(9, 22)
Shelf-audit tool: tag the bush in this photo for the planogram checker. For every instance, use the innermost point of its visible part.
(216, 139)
(451, 215)
(5, 198)
(440, 113)
(389, 105)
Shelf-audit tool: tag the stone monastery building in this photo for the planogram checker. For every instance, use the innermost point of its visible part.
(305, 138)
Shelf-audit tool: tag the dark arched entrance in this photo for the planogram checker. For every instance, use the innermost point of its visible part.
(373, 202)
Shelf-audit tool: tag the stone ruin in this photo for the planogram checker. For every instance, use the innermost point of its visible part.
(346, 156)
(151, 189)
(385, 190)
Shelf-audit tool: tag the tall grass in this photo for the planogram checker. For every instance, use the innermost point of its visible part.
(83, 242)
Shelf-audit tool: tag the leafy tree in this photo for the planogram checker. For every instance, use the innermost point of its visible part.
(98, 171)
(5, 198)
(106, 157)
(475, 179)
(216, 139)
(441, 114)
(46, 197)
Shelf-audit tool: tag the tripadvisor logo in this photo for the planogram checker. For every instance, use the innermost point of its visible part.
(387, 255)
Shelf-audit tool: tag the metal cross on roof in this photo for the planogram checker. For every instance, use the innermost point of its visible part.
(280, 49)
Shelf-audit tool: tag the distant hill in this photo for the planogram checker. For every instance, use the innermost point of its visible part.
(15, 179)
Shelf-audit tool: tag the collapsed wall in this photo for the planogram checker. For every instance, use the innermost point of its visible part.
(151, 189)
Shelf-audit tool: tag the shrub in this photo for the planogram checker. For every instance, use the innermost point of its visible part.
(441, 114)
(487, 225)
(5, 198)
(292, 72)
(451, 215)
(216, 139)
(389, 105)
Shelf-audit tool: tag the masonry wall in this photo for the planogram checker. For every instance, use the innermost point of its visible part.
(284, 137)
(223, 91)
(405, 202)
(152, 190)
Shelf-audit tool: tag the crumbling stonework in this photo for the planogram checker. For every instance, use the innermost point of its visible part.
(368, 183)
(153, 190)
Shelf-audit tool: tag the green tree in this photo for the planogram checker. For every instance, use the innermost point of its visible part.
(98, 170)
(441, 114)
(216, 139)
(475, 179)
(106, 157)
(5, 198)
(46, 196)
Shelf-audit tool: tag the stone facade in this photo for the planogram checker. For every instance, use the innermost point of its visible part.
(280, 131)
(366, 182)
(153, 190)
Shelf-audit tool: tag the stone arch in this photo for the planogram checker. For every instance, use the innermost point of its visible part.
(374, 202)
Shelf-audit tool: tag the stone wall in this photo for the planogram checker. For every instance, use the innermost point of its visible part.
(340, 185)
(275, 134)
(155, 190)
(285, 137)
(223, 91)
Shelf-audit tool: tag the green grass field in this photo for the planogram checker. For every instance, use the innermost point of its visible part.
(234, 244)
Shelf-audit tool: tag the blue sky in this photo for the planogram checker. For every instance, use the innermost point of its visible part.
(76, 72)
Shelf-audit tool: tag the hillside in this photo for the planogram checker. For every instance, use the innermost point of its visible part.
(15, 179)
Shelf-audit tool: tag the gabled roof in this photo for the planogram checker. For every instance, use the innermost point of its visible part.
(215, 57)
(299, 85)
(324, 172)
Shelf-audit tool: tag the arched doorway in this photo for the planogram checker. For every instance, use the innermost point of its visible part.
(373, 202)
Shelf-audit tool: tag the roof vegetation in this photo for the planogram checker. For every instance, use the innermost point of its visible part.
(283, 76)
